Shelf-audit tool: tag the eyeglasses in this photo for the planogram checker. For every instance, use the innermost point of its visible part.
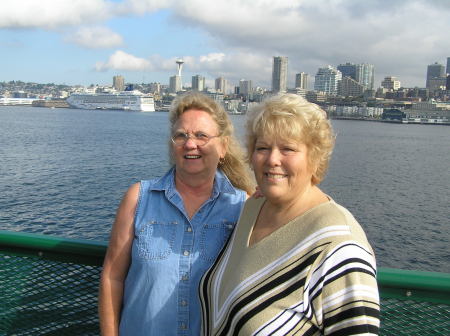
(200, 138)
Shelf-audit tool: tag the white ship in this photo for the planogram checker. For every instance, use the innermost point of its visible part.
(120, 100)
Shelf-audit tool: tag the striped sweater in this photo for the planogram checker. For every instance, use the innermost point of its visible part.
(316, 275)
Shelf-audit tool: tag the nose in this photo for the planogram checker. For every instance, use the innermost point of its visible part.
(274, 158)
(190, 143)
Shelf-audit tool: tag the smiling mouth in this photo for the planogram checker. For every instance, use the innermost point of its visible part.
(275, 176)
(190, 157)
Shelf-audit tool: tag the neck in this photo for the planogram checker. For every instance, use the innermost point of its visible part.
(197, 185)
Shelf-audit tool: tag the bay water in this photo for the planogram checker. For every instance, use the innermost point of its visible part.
(64, 171)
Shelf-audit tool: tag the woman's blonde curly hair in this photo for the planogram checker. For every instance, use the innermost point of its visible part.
(293, 118)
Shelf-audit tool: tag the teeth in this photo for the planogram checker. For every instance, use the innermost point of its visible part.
(275, 176)
(192, 156)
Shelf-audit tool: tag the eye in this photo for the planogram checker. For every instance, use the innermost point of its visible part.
(180, 136)
(201, 136)
(261, 148)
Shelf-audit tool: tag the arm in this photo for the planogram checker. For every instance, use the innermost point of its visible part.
(116, 263)
(347, 295)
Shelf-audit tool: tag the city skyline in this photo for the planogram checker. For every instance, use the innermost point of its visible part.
(89, 42)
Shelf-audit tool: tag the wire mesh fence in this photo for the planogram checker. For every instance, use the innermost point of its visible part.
(53, 291)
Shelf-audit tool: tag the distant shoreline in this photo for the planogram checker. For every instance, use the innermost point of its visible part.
(446, 123)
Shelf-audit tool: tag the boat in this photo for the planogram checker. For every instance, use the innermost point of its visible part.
(113, 100)
(50, 287)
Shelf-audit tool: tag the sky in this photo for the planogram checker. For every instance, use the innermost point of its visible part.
(84, 42)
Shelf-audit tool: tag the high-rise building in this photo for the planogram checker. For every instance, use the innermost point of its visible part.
(348, 87)
(198, 83)
(119, 83)
(448, 66)
(435, 75)
(327, 79)
(279, 74)
(245, 87)
(175, 84)
(362, 73)
(301, 81)
(221, 85)
(390, 83)
(365, 75)
(348, 70)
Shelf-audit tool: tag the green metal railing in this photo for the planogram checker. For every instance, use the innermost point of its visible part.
(49, 287)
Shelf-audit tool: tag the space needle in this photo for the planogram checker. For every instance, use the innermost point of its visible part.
(179, 65)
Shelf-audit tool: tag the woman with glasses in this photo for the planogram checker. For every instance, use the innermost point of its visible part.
(168, 231)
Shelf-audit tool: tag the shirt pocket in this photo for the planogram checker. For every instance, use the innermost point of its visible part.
(155, 240)
(213, 238)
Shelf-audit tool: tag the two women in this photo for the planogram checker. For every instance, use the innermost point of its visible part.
(297, 263)
(168, 231)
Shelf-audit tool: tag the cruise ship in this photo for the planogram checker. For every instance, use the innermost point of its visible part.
(114, 100)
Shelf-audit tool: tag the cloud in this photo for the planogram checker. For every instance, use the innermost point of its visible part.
(120, 60)
(95, 38)
(50, 14)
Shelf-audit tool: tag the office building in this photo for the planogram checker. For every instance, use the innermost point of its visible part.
(435, 75)
(301, 81)
(198, 83)
(390, 83)
(327, 79)
(448, 66)
(245, 87)
(279, 74)
(175, 84)
(348, 87)
(363, 73)
(221, 85)
(119, 83)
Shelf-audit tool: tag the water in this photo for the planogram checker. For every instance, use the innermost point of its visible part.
(63, 172)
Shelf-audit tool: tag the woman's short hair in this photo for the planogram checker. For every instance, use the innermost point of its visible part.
(291, 117)
(233, 164)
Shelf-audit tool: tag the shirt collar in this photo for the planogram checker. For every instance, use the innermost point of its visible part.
(167, 182)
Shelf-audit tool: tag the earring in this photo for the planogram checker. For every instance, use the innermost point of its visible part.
(221, 161)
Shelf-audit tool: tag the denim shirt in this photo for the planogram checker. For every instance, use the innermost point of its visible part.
(170, 253)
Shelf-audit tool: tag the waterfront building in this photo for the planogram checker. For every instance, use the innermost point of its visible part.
(279, 74)
(198, 83)
(301, 81)
(348, 87)
(390, 83)
(327, 79)
(155, 88)
(119, 83)
(430, 110)
(175, 84)
(245, 87)
(221, 85)
(316, 96)
(435, 74)
(363, 73)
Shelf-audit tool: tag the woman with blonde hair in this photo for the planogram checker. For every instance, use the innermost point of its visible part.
(297, 263)
(169, 230)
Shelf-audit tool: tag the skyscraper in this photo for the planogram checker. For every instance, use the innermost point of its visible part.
(301, 80)
(279, 74)
(448, 66)
(362, 73)
(327, 79)
(221, 85)
(175, 84)
(245, 87)
(198, 83)
(119, 83)
(435, 76)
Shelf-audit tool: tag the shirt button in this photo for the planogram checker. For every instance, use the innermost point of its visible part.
(185, 278)
(183, 326)
(189, 229)
(186, 253)
(183, 303)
